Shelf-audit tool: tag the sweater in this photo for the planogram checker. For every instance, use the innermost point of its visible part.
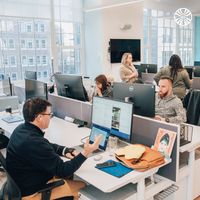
(32, 160)
(170, 107)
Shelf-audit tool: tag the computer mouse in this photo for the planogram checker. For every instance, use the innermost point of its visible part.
(98, 157)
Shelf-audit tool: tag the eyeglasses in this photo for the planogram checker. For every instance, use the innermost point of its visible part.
(50, 114)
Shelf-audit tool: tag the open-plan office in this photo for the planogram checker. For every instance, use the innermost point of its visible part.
(54, 49)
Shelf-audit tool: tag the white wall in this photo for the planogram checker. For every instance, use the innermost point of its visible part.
(103, 24)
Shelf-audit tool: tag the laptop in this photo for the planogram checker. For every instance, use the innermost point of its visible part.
(13, 118)
(98, 130)
(196, 83)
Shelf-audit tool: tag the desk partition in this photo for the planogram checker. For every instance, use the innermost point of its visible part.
(145, 130)
(64, 106)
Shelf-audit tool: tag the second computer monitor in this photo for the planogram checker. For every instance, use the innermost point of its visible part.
(142, 96)
(30, 75)
(35, 89)
(115, 116)
(70, 86)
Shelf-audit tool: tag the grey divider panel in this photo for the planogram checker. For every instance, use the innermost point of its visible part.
(144, 131)
(63, 106)
(87, 112)
(9, 101)
(20, 92)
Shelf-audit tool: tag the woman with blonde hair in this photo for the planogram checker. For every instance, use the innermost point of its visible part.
(128, 73)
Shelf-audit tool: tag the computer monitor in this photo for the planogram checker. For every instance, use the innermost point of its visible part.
(142, 96)
(35, 88)
(30, 75)
(7, 86)
(113, 115)
(151, 68)
(71, 86)
(197, 71)
(190, 71)
(196, 63)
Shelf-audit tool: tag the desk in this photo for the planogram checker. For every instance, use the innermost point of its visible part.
(108, 183)
(59, 131)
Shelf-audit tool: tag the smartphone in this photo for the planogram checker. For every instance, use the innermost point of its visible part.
(106, 164)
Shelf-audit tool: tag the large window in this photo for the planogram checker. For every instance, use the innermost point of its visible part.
(19, 53)
(163, 37)
(25, 37)
(68, 35)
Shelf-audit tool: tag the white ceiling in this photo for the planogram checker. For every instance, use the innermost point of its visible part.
(193, 5)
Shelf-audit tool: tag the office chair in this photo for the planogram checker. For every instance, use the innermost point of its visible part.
(197, 71)
(12, 191)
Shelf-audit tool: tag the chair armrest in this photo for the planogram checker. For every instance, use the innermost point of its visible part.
(52, 185)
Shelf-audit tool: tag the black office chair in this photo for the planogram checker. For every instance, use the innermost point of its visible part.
(12, 191)
(197, 71)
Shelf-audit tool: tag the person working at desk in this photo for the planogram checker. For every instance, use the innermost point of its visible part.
(168, 106)
(32, 160)
(128, 73)
(103, 87)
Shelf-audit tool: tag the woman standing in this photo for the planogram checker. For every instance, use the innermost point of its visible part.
(180, 76)
(103, 87)
(128, 73)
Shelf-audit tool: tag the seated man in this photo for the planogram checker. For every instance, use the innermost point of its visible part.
(168, 106)
(32, 160)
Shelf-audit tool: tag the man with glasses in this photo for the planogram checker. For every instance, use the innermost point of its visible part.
(32, 160)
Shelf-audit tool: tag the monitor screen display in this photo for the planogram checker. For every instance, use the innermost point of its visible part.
(113, 115)
(35, 88)
(70, 86)
(142, 96)
(30, 75)
(120, 46)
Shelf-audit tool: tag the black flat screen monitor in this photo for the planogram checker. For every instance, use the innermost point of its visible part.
(35, 89)
(30, 75)
(71, 86)
(196, 63)
(142, 96)
(113, 115)
(190, 71)
(120, 46)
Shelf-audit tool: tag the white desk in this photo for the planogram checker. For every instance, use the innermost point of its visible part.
(108, 183)
(59, 131)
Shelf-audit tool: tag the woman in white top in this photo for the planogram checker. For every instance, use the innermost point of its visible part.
(128, 73)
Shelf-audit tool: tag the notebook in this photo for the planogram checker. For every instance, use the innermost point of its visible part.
(118, 170)
(13, 118)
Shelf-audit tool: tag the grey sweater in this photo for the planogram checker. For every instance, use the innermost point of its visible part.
(171, 108)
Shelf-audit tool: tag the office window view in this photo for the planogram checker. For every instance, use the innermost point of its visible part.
(162, 38)
(26, 43)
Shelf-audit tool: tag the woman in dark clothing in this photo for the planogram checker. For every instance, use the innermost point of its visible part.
(103, 87)
(180, 76)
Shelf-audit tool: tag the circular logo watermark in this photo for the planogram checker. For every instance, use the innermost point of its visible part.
(183, 16)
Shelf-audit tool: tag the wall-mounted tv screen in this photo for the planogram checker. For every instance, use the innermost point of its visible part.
(120, 46)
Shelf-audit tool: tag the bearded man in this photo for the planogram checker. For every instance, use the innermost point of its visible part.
(168, 107)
